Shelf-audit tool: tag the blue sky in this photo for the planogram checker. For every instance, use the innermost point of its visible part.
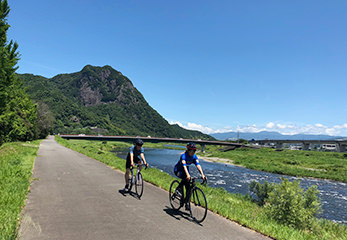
(214, 66)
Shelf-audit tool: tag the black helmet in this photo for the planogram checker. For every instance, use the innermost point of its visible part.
(191, 146)
(138, 142)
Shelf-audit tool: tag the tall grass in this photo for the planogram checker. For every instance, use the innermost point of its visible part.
(236, 207)
(16, 164)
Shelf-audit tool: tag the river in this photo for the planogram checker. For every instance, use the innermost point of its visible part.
(236, 179)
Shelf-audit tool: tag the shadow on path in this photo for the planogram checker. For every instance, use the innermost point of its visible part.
(178, 215)
(125, 194)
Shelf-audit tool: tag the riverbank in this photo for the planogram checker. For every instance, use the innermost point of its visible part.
(236, 207)
(321, 165)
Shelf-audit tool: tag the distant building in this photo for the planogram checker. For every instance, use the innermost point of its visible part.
(329, 147)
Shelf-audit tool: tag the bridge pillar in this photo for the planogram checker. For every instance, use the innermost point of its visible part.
(340, 147)
(305, 146)
(279, 145)
(203, 147)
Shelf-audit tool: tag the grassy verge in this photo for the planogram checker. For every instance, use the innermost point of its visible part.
(16, 164)
(324, 165)
(236, 207)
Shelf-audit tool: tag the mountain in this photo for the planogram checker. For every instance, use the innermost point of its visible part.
(271, 135)
(100, 100)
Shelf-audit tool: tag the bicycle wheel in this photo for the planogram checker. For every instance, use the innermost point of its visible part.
(139, 184)
(175, 196)
(198, 205)
(131, 179)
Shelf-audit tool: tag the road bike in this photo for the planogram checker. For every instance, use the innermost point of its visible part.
(136, 180)
(197, 203)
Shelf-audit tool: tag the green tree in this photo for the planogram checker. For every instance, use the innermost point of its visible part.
(45, 120)
(17, 112)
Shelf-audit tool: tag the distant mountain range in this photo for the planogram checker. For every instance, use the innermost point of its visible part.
(271, 135)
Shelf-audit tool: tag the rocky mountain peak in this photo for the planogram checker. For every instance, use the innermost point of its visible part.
(104, 85)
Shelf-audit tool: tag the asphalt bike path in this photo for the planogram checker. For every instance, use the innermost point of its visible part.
(75, 197)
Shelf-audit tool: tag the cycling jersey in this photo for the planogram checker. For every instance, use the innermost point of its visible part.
(136, 152)
(189, 160)
(137, 156)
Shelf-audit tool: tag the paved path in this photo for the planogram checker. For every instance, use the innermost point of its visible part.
(76, 197)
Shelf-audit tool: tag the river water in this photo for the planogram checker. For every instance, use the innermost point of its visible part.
(236, 179)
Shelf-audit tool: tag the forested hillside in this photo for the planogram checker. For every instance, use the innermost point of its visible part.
(99, 100)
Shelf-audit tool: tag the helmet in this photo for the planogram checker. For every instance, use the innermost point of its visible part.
(138, 142)
(191, 146)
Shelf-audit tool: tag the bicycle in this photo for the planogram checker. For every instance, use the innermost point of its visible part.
(136, 180)
(197, 202)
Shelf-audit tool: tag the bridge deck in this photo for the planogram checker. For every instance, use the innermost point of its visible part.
(151, 139)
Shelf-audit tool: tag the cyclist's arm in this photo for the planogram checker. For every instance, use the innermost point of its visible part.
(185, 169)
(143, 158)
(200, 170)
(131, 159)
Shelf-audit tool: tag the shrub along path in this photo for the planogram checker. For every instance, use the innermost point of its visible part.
(76, 197)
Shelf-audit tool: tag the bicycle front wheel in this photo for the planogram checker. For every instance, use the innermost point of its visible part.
(175, 196)
(139, 184)
(198, 205)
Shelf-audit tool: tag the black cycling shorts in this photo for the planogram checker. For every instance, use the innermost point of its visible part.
(128, 163)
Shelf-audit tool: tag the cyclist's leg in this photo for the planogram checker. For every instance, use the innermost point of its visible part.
(183, 176)
(184, 182)
(126, 175)
(187, 185)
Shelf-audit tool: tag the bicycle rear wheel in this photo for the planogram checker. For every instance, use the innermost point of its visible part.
(139, 184)
(131, 179)
(175, 196)
(198, 205)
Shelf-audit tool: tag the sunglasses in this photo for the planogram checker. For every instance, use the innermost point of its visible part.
(191, 150)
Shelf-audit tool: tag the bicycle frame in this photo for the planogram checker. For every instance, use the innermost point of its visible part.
(136, 180)
(192, 185)
(195, 199)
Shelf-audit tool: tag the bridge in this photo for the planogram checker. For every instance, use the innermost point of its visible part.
(131, 139)
(340, 144)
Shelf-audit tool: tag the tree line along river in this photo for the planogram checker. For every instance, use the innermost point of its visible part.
(236, 179)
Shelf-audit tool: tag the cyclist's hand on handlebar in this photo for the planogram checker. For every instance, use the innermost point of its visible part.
(204, 178)
(188, 177)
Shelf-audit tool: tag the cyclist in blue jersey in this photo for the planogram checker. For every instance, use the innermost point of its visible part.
(135, 155)
(182, 168)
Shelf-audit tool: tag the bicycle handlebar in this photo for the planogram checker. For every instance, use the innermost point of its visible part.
(194, 178)
(141, 164)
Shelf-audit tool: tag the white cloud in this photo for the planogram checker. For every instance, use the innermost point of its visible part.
(199, 127)
(288, 129)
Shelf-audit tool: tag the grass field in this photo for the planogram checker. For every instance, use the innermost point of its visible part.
(324, 165)
(236, 207)
(16, 164)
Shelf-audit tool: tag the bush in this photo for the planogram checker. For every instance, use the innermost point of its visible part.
(288, 204)
(261, 191)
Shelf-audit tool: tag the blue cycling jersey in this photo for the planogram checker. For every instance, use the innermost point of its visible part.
(188, 161)
(137, 153)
